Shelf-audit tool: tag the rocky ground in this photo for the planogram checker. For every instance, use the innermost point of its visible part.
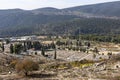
(67, 74)
(67, 69)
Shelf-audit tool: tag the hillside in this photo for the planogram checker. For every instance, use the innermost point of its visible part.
(92, 19)
(74, 27)
(103, 9)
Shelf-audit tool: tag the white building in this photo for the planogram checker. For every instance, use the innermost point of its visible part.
(23, 38)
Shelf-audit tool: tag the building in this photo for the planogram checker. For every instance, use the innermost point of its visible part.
(27, 38)
(24, 38)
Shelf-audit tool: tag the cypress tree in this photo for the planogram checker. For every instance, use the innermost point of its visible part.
(55, 54)
(43, 51)
(3, 47)
(11, 48)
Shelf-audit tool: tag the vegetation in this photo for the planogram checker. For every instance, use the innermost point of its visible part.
(55, 54)
(61, 21)
(37, 45)
(2, 46)
(79, 64)
(18, 48)
(11, 48)
(95, 50)
(102, 38)
(43, 51)
(82, 32)
(71, 26)
(13, 63)
(25, 66)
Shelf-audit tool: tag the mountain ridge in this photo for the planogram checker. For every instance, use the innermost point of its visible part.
(103, 9)
(13, 21)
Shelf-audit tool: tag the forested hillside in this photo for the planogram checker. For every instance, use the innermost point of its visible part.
(103, 9)
(73, 27)
(101, 18)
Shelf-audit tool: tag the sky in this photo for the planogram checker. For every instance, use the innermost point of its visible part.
(34, 4)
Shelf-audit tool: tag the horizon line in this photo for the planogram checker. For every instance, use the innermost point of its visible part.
(90, 4)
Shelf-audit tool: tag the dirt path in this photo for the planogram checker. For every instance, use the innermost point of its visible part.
(8, 76)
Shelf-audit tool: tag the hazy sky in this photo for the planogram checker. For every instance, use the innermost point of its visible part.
(32, 4)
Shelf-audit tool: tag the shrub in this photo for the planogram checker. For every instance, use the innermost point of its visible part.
(81, 64)
(35, 53)
(13, 63)
(83, 49)
(25, 66)
(96, 50)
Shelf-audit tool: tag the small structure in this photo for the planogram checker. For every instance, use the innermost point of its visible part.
(24, 38)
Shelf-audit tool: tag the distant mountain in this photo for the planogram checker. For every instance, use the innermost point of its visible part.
(10, 11)
(103, 9)
(15, 22)
(47, 9)
(14, 18)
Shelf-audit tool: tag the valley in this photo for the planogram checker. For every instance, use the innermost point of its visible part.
(74, 43)
(80, 60)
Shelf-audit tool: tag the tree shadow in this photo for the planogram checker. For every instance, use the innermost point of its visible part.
(45, 75)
